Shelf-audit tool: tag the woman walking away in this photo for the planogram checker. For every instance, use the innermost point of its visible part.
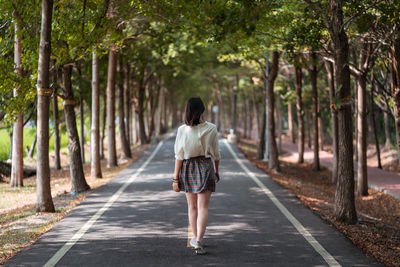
(196, 167)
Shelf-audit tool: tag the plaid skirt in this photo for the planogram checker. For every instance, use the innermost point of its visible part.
(197, 174)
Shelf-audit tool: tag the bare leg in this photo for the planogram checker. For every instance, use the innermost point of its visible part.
(203, 201)
(192, 211)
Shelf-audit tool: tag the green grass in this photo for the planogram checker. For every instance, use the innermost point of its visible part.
(29, 135)
(4, 144)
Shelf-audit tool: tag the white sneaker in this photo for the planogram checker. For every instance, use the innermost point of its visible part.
(193, 242)
(197, 246)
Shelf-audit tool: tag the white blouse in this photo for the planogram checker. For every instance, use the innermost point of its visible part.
(199, 140)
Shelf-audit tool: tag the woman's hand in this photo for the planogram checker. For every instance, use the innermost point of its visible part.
(175, 186)
(217, 174)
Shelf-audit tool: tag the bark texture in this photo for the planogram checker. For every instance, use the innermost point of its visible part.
(44, 200)
(344, 209)
(17, 173)
(57, 141)
(125, 147)
(292, 132)
(273, 161)
(388, 143)
(362, 174)
(261, 133)
(142, 128)
(315, 114)
(127, 106)
(82, 126)
(300, 115)
(112, 152)
(78, 182)
(394, 54)
(104, 123)
(95, 167)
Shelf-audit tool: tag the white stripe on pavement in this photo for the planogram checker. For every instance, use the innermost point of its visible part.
(67, 246)
(300, 228)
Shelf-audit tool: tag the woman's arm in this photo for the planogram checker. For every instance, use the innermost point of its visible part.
(216, 166)
(178, 165)
(216, 169)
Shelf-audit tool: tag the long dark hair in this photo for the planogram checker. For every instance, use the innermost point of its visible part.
(193, 111)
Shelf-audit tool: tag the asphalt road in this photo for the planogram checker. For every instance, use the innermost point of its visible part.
(137, 220)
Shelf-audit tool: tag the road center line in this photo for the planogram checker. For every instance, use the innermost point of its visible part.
(299, 227)
(67, 246)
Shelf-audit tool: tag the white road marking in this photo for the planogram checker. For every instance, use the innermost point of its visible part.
(300, 228)
(67, 246)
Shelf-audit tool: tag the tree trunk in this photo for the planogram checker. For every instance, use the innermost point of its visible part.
(273, 161)
(374, 131)
(320, 129)
(300, 116)
(125, 147)
(388, 142)
(78, 182)
(344, 197)
(82, 126)
(153, 96)
(356, 108)
(127, 106)
(234, 111)
(104, 123)
(279, 117)
(43, 190)
(142, 127)
(292, 133)
(95, 166)
(250, 117)
(332, 92)
(245, 115)
(136, 124)
(362, 175)
(82, 118)
(32, 149)
(308, 127)
(176, 118)
(261, 133)
(255, 110)
(160, 109)
(17, 165)
(221, 108)
(57, 141)
(394, 54)
(315, 114)
(112, 152)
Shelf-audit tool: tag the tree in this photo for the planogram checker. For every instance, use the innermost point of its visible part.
(344, 197)
(57, 141)
(300, 113)
(273, 161)
(17, 173)
(315, 114)
(112, 153)
(44, 200)
(95, 169)
(78, 182)
(126, 150)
